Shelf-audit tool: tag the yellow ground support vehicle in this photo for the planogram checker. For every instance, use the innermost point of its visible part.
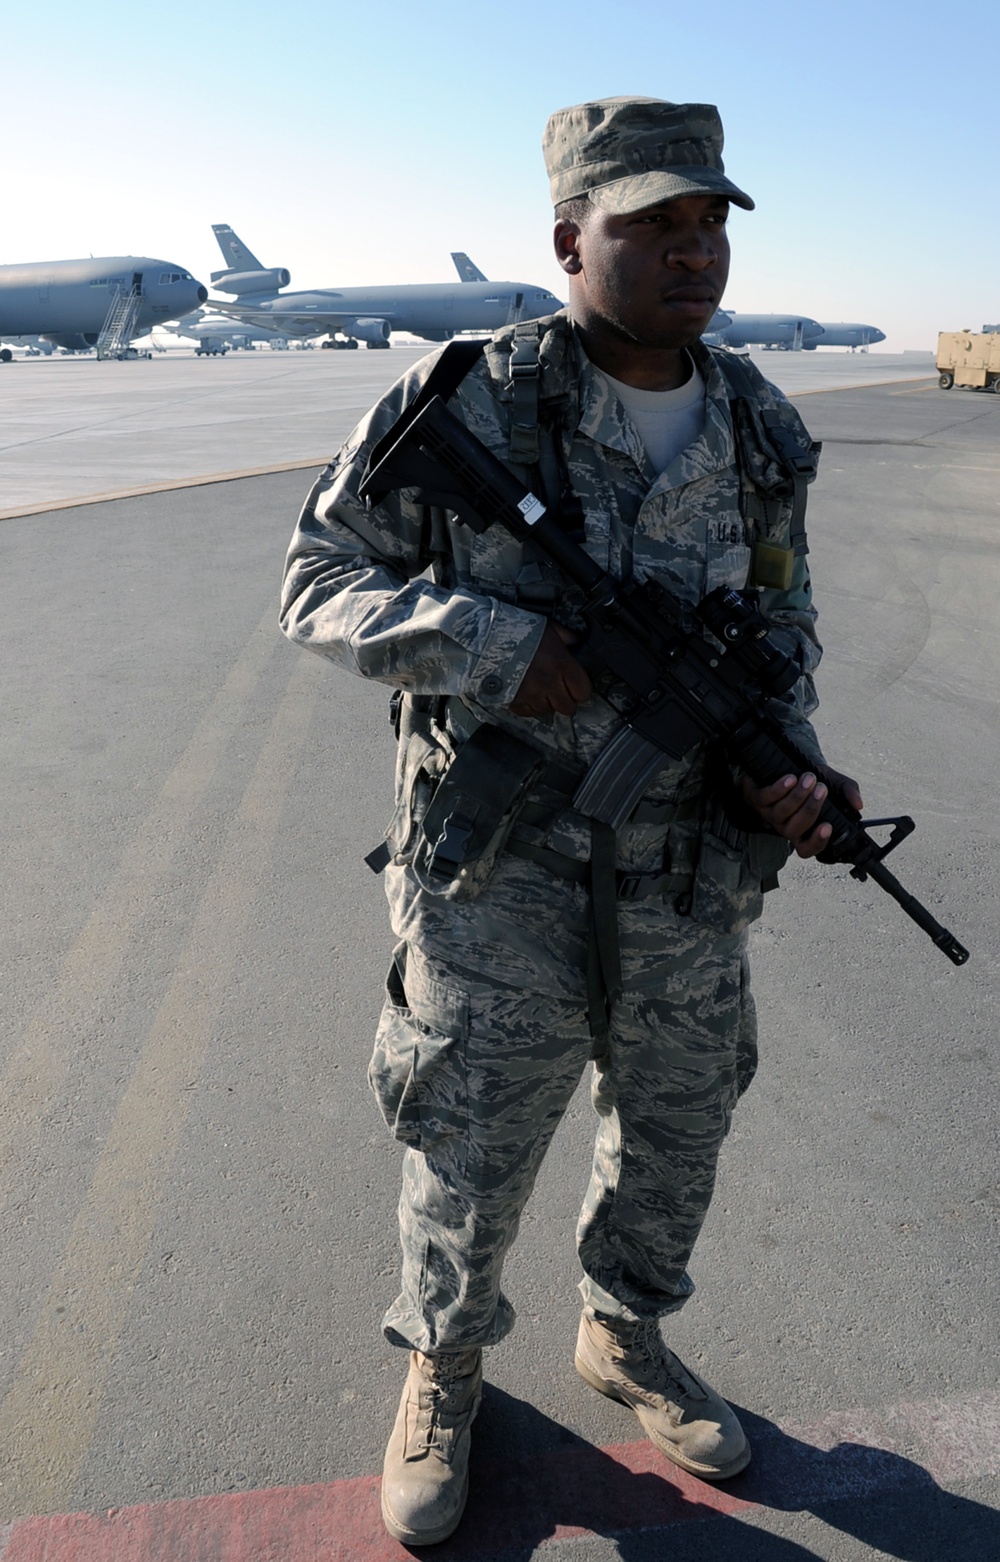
(969, 358)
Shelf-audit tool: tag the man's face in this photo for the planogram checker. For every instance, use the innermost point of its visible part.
(652, 278)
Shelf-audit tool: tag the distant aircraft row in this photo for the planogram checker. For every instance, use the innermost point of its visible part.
(787, 333)
(107, 302)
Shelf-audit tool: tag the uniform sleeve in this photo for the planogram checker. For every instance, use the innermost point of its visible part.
(374, 590)
(793, 617)
(793, 620)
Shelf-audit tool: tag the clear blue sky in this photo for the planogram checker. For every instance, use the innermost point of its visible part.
(363, 142)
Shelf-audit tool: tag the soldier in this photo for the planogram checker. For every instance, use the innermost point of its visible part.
(561, 941)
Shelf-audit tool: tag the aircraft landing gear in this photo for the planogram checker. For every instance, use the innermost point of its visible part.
(6, 356)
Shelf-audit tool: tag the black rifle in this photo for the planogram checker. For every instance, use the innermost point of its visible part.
(688, 686)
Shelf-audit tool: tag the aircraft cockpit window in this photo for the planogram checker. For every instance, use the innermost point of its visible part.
(173, 276)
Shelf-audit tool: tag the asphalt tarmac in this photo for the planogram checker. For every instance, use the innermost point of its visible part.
(198, 1195)
(72, 428)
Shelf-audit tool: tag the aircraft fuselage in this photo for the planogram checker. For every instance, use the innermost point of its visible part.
(790, 331)
(71, 298)
(434, 310)
(844, 333)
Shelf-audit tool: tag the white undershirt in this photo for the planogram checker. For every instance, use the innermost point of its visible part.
(666, 421)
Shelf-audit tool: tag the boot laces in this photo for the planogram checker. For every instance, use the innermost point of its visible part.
(656, 1363)
(433, 1434)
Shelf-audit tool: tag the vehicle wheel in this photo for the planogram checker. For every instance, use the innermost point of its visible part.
(352, 342)
(996, 385)
(6, 356)
(946, 381)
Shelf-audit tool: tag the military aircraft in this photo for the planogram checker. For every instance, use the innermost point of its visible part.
(789, 333)
(433, 310)
(71, 302)
(846, 334)
(216, 333)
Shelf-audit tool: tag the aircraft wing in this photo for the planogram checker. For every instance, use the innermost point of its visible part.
(292, 322)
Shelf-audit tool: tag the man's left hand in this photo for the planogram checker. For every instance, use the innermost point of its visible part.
(792, 805)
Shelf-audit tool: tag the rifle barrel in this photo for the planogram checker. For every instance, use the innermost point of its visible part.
(946, 941)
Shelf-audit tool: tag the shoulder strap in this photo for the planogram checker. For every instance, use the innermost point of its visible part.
(788, 444)
(739, 381)
(535, 441)
(524, 372)
(458, 359)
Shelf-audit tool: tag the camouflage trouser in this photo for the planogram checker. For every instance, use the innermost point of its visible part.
(481, 1045)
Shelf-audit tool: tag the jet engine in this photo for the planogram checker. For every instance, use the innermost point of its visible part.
(73, 341)
(263, 281)
(368, 330)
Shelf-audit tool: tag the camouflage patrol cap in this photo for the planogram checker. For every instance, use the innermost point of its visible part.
(629, 153)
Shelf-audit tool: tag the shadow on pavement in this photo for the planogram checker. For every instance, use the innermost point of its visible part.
(561, 1483)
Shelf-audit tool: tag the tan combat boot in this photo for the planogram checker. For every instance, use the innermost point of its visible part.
(687, 1420)
(425, 1478)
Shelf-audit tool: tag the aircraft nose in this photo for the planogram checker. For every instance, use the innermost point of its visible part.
(202, 293)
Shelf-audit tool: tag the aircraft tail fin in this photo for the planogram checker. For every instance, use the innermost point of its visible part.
(234, 251)
(466, 270)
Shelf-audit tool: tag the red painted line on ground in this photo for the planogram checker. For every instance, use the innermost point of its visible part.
(530, 1502)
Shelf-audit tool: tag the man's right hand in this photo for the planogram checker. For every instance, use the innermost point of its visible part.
(555, 680)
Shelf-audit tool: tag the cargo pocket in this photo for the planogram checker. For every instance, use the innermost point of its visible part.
(418, 1068)
(734, 996)
(726, 897)
(746, 1042)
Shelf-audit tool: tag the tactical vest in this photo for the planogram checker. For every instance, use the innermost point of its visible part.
(776, 462)
(455, 814)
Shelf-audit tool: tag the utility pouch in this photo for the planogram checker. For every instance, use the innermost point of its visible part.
(421, 762)
(734, 870)
(471, 813)
(771, 566)
(768, 855)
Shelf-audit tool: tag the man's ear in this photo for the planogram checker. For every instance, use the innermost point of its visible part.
(565, 239)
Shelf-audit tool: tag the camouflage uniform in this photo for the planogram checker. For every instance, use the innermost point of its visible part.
(484, 1033)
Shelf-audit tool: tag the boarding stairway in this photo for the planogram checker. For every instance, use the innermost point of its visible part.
(119, 324)
(516, 309)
